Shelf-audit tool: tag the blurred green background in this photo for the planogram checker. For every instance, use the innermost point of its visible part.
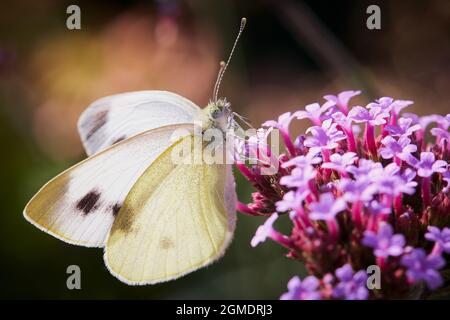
(292, 53)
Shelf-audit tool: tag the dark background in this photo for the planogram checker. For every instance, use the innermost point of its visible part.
(291, 54)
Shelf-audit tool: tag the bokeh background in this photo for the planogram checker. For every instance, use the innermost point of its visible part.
(292, 53)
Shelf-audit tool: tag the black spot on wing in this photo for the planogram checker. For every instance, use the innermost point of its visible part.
(88, 202)
(115, 209)
(98, 122)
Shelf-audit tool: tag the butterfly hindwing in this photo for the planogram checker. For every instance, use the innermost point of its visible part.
(79, 205)
(118, 117)
(177, 218)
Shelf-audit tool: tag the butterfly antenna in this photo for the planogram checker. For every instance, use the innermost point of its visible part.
(224, 65)
(244, 120)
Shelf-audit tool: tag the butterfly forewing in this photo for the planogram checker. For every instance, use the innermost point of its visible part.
(79, 205)
(118, 117)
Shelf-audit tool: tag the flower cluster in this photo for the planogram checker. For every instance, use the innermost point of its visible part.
(362, 188)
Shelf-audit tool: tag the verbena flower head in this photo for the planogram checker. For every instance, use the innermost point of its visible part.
(357, 200)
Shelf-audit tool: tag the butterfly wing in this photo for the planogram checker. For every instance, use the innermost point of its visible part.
(177, 218)
(118, 117)
(79, 205)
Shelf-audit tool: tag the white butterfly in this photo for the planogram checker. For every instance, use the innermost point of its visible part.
(157, 219)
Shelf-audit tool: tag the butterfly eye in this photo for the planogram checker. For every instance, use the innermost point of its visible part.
(216, 113)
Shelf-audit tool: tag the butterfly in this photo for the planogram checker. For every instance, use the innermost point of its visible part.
(157, 219)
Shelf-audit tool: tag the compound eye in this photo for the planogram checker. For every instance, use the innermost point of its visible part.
(216, 113)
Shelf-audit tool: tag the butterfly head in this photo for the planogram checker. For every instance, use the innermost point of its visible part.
(219, 113)
(219, 109)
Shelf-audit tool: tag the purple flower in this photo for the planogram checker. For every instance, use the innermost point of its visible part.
(390, 182)
(441, 134)
(399, 105)
(383, 103)
(264, 231)
(403, 127)
(340, 162)
(365, 168)
(327, 207)
(421, 267)
(385, 243)
(440, 237)
(378, 209)
(342, 120)
(292, 199)
(356, 190)
(299, 177)
(374, 116)
(308, 289)
(427, 165)
(351, 286)
(425, 121)
(282, 123)
(408, 179)
(414, 117)
(342, 99)
(390, 105)
(313, 112)
(310, 159)
(393, 148)
(325, 136)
